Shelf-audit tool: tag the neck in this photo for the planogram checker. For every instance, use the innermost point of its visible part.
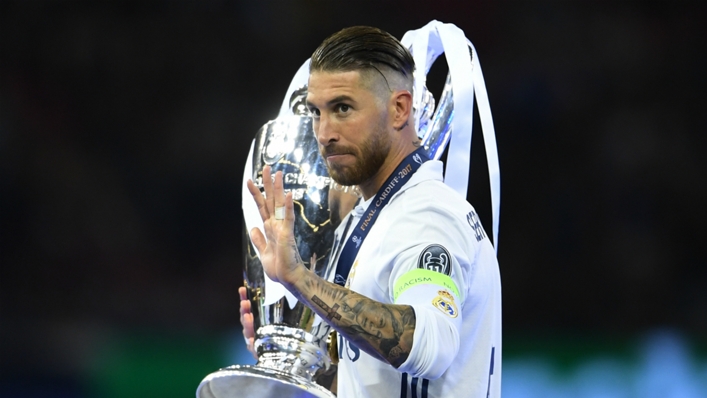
(372, 185)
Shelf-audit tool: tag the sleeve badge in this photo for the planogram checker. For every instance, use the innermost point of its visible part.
(445, 303)
(435, 258)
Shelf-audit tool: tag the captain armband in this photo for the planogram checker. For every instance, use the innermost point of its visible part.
(419, 277)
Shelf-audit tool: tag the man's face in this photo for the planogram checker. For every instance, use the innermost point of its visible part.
(351, 124)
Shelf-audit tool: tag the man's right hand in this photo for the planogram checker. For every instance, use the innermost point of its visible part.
(247, 321)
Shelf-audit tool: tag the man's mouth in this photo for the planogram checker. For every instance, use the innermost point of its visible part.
(334, 154)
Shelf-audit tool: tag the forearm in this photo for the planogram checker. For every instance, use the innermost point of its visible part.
(382, 330)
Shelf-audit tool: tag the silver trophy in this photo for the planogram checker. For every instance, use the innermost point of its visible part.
(291, 346)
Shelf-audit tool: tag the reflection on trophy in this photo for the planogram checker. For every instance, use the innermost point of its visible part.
(290, 342)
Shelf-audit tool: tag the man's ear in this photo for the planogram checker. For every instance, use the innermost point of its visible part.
(402, 108)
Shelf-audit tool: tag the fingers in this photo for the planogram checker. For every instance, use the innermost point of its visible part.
(246, 315)
(249, 334)
(274, 193)
(259, 200)
(251, 347)
(247, 321)
(278, 191)
(245, 308)
(258, 240)
(289, 209)
(268, 186)
(243, 293)
(248, 328)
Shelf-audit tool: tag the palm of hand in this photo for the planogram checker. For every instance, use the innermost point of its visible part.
(280, 257)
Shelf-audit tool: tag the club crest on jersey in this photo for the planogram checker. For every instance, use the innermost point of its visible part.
(435, 258)
(445, 303)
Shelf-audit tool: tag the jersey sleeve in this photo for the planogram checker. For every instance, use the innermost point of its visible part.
(438, 322)
(431, 276)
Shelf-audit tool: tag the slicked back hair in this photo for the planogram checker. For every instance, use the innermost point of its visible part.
(365, 49)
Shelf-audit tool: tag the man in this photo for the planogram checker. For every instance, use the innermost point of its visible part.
(420, 312)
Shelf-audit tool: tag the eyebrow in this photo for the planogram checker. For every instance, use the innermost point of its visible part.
(335, 100)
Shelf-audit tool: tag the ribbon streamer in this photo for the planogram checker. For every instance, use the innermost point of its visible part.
(428, 43)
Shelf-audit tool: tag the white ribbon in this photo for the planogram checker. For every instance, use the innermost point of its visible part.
(426, 44)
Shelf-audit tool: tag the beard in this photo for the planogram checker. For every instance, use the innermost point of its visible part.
(370, 157)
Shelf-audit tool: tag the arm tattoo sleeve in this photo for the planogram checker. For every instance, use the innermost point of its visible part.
(382, 330)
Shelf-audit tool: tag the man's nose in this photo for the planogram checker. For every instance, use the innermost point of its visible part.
(324, 131)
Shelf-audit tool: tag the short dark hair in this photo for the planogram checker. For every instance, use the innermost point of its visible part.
(362, 48)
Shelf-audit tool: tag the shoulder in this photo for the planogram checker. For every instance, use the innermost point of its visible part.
(427, 187)
(432, 200)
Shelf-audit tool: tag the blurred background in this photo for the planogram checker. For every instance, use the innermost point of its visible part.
(124, 128)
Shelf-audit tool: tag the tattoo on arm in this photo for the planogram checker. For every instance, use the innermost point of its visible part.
(330, 311)
(383, 330)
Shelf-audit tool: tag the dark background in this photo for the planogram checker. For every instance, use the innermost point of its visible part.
(124, 127)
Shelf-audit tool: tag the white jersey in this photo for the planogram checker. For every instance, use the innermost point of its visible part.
(457, 342)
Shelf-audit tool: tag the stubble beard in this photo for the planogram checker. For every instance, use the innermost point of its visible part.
(370, 157)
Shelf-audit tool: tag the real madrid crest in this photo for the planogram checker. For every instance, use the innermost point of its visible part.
(445, 303)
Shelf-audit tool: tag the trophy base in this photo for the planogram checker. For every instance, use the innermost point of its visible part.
(254, 381)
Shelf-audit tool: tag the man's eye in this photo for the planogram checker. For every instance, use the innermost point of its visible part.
(314, 112)
(343, 108)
